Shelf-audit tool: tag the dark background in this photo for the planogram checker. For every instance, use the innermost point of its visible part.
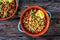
(9, 30)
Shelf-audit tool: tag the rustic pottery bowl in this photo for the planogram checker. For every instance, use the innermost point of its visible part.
(13, 13)
(46, 26)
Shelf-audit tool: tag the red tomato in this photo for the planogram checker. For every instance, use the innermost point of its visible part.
(12, 6)
(31, 20)
(2, 12)
(8, 14)
(3, 5)
(28, 15)
(9, 6)
(37, 28)
(35, 11)
(40, 25)
(34, 18)
(5, 9)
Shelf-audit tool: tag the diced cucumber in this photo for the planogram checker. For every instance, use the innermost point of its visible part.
(0, 7)
(5, 14)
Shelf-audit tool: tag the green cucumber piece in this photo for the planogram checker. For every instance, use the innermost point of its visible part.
(5, 14)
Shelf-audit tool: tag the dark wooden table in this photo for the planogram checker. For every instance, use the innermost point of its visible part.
(9, 30)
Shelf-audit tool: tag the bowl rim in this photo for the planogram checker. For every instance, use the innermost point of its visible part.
(45, 28)
(13, 13)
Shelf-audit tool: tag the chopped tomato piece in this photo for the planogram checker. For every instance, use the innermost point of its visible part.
(35, 11)
(34, 18)
(4, 9)
(9, 7)
(28, 15)
(33, 26)
(40, 25)
(2, 12)
(30, 20)
(12, 6)
(3, 5)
